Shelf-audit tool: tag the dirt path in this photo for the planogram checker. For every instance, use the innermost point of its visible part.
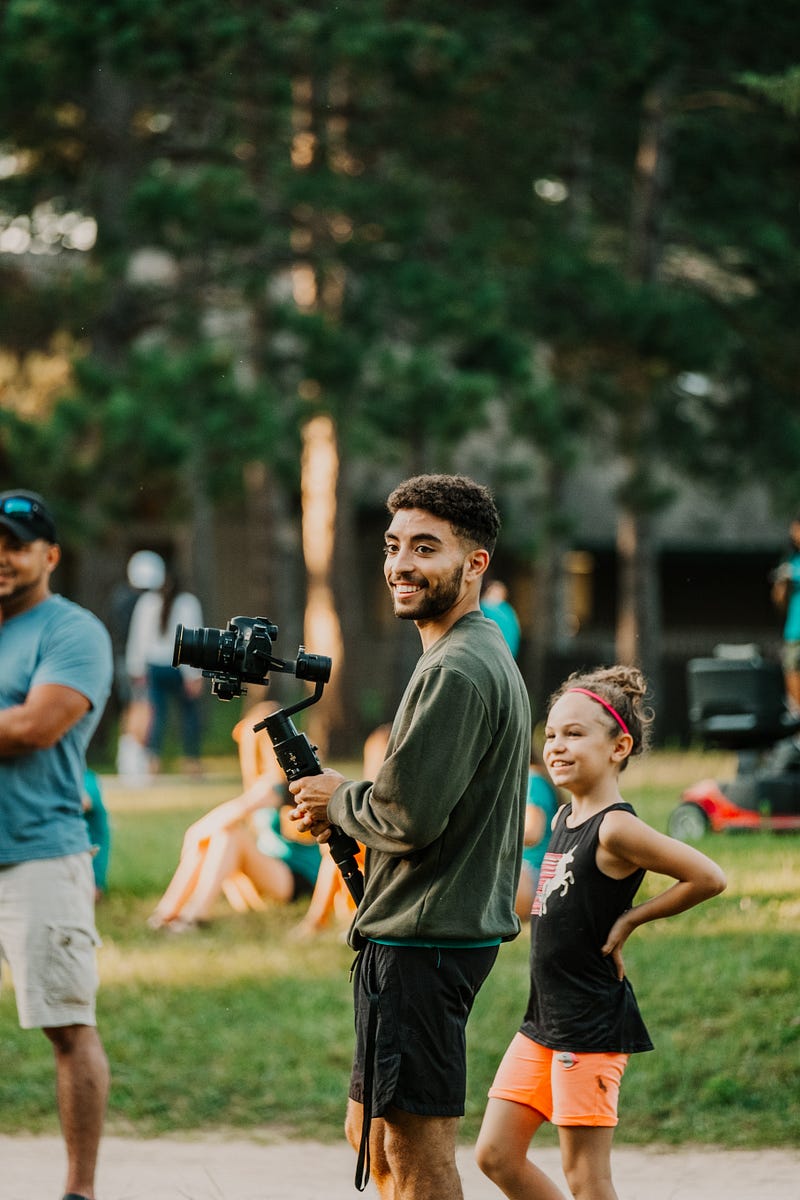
(215, 1168)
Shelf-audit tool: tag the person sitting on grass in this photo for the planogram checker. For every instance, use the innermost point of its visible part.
(243, 849)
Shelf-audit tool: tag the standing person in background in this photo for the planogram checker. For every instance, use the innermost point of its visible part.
(145, 572)
(786, 595)
(582, 1023)
(442, 825)
(55, 678)
(496, 606)
(539, 812)
(149, 657)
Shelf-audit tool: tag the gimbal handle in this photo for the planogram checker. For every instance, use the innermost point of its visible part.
(298, 758)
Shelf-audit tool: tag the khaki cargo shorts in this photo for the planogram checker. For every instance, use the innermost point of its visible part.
(48, 937)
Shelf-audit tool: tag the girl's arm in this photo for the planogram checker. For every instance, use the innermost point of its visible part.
(261, 794)
(627, 843)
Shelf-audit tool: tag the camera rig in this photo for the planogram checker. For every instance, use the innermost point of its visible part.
(242, 653)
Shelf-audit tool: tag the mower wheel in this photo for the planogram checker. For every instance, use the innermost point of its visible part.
(687, 823)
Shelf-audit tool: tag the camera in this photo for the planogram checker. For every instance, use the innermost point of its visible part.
(242, 653)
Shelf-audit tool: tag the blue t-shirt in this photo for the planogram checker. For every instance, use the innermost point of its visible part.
(541, 794)
(55, 642)
(791, 629)
(503, 615)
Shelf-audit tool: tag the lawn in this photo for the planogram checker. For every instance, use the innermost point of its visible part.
(242, 1026)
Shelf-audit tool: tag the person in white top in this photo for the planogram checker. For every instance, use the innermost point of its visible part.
(145, 573)
(149, 658)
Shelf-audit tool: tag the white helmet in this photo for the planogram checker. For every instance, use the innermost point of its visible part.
(146, 570)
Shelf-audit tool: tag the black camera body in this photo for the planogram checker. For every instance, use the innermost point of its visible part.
(242, 653)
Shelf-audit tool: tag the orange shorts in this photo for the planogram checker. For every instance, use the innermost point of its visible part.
(566, 1088)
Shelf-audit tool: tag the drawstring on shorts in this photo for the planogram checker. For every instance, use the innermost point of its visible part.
(363, 1161)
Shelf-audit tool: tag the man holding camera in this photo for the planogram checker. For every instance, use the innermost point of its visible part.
(55, 676)
(442, 824)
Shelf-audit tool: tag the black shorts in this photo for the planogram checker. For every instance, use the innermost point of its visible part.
(422, 999)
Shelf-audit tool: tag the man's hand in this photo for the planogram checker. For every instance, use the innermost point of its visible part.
(312, 793)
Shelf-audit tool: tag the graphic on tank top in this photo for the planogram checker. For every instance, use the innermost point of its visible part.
(554, 876)
(577, 1004)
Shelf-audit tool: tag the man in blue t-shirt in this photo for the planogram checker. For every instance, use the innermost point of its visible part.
(55, 676)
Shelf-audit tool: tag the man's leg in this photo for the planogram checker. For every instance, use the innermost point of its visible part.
(380, 1172)
(421, 1155)
(82, 1082)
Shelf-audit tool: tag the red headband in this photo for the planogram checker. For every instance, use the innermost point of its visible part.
(608, 707)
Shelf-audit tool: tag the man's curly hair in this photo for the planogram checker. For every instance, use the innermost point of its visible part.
(468, 506)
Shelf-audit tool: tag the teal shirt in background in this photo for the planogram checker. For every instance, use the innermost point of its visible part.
(503, 615)
(98, 828)
(302, 858)
(541, 794)
(791, 628)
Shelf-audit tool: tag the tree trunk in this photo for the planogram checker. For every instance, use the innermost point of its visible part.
(322, 631)
(548, 631)
(639, 626)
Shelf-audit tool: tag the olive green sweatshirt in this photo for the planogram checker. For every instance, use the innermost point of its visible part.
(443, 820)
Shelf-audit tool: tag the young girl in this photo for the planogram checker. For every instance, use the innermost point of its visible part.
(582, 1020)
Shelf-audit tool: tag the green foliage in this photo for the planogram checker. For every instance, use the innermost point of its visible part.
(780, 89)
(178, 209)
(465, 200)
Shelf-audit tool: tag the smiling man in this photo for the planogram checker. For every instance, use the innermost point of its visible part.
(55, 675)
(442, 824)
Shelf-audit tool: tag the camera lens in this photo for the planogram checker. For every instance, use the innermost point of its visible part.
(315, 667)
(197, 648)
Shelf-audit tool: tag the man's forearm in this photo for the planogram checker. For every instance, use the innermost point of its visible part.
(17, 733)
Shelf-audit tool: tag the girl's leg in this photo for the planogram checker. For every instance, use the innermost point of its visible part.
(241, 894)
(222, 858)
(271, 877)
(501, 1151)
(321, 904)
(180, 887)
(231, 851)
(586, 1159)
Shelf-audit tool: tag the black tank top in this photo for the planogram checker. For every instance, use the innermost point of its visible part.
(576, 1001)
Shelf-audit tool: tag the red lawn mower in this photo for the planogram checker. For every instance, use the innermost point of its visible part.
(739, 704)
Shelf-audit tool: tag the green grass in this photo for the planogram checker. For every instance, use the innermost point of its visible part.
(242, 1027)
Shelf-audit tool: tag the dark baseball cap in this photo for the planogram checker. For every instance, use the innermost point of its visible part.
(27, 516)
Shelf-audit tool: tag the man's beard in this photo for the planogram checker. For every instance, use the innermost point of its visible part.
(435, 600)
